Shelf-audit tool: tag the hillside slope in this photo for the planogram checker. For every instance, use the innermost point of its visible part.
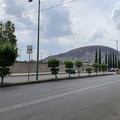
(85, 54)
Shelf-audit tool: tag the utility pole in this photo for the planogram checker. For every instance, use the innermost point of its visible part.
(116, 49)
(41, 56)
(20, 54)
(38, 37)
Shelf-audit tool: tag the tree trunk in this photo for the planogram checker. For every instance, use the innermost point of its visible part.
(78, 71)
(69, 74)
(55, 75)
(2, 78)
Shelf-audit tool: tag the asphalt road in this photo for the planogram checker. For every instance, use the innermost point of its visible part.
(95, 98)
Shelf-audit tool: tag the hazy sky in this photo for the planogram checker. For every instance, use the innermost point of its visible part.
(74, 24)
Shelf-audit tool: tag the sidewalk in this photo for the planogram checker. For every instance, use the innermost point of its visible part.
(49, 73)
(22, 78)
(26, 74)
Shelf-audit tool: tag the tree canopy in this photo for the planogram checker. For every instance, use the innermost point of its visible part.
(7, 35)
(78, 64)
(8, 48)
(8, 54)
(53, 63)
(68, 66)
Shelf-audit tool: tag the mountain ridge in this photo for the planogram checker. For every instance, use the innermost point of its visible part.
(85, 54)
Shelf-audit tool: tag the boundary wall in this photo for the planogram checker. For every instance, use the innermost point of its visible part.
(22, 67)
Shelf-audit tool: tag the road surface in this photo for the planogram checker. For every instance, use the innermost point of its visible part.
(95, 98)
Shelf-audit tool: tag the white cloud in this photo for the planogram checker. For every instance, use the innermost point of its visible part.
(65, 27)
(98, 34)
(116, 16)
(55, 23)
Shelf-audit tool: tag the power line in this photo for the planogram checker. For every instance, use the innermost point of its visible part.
(41, 10)
(58, 5)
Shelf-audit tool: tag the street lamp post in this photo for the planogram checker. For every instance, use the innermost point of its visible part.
(116, 49)
(20, 54)
(38, 37)
(41, 56)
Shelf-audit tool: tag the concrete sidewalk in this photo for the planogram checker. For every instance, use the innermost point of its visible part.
(22, 78)
(49, 73)
(26, 74)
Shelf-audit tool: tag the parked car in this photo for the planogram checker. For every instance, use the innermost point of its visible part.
(111, 70)
(72, 72)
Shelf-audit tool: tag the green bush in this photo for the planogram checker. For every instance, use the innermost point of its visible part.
(68, 66)
(103, 67)
(96, 66)
(89, 70)
(78, 64)
(53, 63)
(8, 55)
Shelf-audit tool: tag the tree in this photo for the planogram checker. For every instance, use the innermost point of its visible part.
(7, 35)
(89, 70)
(118, 63)
(68, 66)
(78, 64)
(53, 63)
(99, 59)
(8, 48)
(8, 55)
(106, 58)
(96, 56)
(113, 59)
(109, 61)
(103, 67)
(96, 65)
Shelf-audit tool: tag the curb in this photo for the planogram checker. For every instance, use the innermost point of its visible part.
(48, 80)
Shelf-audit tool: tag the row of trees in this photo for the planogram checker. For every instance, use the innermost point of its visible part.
(110, 59)
(54, 64)
(9, 53)
(8, 48)
(98, 65)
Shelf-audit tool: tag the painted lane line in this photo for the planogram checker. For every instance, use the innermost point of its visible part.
(52, 97)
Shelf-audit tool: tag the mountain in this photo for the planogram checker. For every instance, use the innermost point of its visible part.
(85, 54)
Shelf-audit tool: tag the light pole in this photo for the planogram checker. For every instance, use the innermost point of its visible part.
(116, 48)
(38, 37)
(41, 56)
(20, 54)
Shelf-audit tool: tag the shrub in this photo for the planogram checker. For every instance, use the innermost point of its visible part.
(68, 66)
(89, 70)
(53, 63)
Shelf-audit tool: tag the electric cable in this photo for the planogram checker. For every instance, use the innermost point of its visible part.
(27, 14)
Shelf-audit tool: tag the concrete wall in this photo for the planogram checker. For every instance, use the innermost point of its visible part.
(22, 67)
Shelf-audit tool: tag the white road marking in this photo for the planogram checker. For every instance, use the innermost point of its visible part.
(52, 97)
